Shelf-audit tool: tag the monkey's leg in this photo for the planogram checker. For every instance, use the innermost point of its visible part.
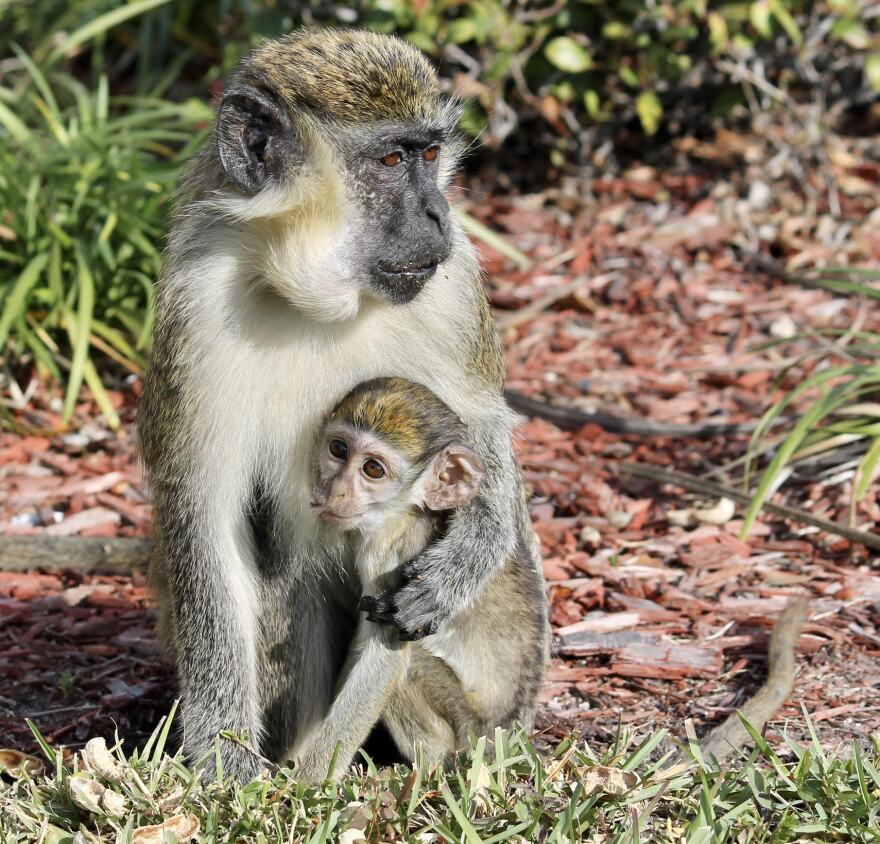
(375, 668)
(423, 708)
(307, 627)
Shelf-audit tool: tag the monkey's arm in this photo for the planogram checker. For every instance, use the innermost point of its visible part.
(200, 564)
(449, 574)
(731, 735)
(378, 665)
(210, 588)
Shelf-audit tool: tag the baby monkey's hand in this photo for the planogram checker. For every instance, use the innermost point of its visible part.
(410, 605)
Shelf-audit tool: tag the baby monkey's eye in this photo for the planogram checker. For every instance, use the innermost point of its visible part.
(392, 159)
(373, 469)
(338, 449)
(430, 153)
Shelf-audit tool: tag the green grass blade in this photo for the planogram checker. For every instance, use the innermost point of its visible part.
(470, 834)
(78, 329)
(476, 229)
(15, 305)
(101, 24)
(15, 126)
(866, 469)
(805, 424)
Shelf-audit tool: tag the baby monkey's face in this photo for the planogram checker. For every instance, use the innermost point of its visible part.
(360, 479)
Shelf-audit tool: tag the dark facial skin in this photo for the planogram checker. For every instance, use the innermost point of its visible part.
(406, 217)
(403, 229)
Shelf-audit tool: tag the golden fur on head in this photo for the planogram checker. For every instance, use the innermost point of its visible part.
(349, 75)
(405, 414)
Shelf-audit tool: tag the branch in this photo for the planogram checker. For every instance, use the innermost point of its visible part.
(710, 488)
(80, 553)
(570, 418)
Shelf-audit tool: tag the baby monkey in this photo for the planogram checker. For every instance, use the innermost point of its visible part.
(392, 461)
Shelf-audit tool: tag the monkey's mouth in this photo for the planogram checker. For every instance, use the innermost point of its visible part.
(401, 283)
(339, 520)
(407, 272)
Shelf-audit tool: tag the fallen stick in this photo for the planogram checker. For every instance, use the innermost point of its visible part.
(570, 418)
(90, 554)
(711, 488)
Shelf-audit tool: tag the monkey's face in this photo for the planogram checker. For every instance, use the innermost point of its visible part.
(403, 229)
(359, 479)
(341, 209)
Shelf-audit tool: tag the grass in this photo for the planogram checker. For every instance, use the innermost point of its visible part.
(846, 409)
(500, 792)
(86, 180)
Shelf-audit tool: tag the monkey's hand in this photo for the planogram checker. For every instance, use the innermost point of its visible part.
(413, 593)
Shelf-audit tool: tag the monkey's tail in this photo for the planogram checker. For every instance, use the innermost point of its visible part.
(731, 736)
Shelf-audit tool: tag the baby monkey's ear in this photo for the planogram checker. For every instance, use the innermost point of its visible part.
(452, 478)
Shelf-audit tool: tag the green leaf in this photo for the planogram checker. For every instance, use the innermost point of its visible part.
(462, 30)
(759, 15)
(592, 103)
(787, 22)
(718, 34)
(852, 33)
(872, 70)
(566, 54)
(650, 111)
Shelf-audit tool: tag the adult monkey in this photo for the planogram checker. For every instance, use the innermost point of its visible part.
(312, 249)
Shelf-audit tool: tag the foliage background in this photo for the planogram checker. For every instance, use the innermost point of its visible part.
(101, 101)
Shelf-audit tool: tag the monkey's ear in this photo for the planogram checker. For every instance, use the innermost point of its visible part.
(453, 478)
(254, 138)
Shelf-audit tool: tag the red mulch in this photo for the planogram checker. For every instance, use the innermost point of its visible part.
(669, 622)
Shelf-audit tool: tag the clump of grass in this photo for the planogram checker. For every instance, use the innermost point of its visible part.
(85, 183)
(847, 409)
(500, 792)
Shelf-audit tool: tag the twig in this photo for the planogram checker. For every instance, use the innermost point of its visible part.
(709, 488)
(542, 303)
(570, 418)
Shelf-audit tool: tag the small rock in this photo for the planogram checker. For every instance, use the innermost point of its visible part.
(783, 328)
(760, 196)
(590, 537)
(619, 518)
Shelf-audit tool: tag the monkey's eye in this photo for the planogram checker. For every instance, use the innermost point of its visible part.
(338, 449)
(392, 159)
(373, 469)
(431, 153)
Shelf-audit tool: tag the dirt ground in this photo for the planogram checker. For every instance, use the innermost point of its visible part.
(643, 299)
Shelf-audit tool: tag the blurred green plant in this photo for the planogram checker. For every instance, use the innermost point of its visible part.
(847, 409)
(573, 63)
(85, 180)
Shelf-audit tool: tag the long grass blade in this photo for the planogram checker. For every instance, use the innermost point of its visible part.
(101, 24)
(16, 302)
(78, 329)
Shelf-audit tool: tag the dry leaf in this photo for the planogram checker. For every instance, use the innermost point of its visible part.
(169, 803)
(600, 779)
(86, 793)
(114, 804)
(99, 760)
(12, 762)
(184, 827)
